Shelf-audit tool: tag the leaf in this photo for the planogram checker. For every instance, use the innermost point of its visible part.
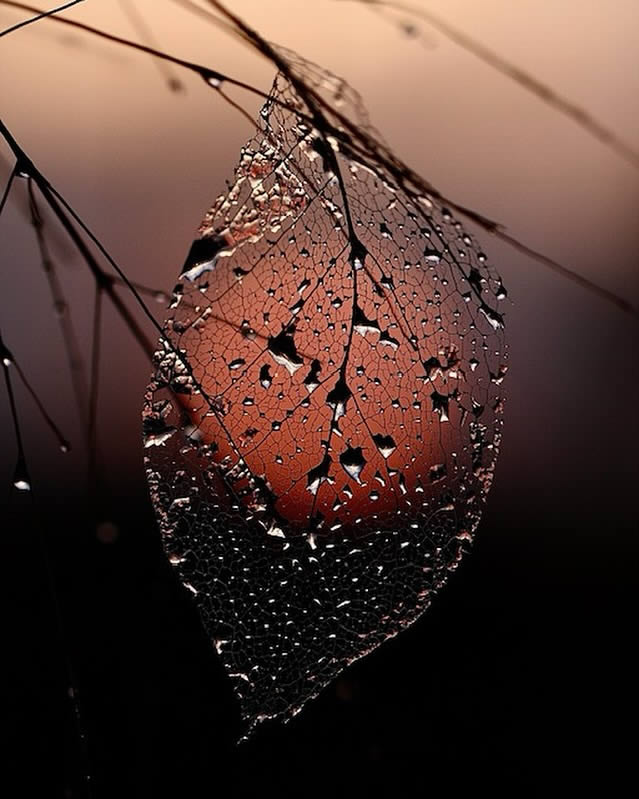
(326, 408)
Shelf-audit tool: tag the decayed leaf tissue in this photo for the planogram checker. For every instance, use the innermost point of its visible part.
(324, 418)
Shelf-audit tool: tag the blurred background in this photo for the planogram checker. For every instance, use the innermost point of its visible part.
(519, 679)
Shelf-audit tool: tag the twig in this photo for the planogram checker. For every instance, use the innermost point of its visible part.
(40, 15)
(57, 205)
(21, 479)
(92, 428)
(7, 188)
(360, 141)
(63, 442)
(405, 176)
(522, 78)
(74, 358)
(144, 31)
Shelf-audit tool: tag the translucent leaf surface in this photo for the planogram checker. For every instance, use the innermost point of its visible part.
(323, 422)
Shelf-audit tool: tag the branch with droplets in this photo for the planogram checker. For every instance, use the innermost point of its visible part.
(104, 282)
(414, 185)
(358, 142)
(21, 479)
(62, 310)
(9, 361)
(361, 144)
(522, 78)
(63, 213)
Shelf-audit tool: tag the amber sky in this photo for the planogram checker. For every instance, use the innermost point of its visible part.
(141, 165)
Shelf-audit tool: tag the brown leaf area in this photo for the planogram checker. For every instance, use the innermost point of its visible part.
(323, 423)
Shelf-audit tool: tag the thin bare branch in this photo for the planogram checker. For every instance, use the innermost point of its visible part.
(413, 183)
(212, 77)
(92, 428)
(63, 442)
(39, 15)
(21, 479)
(213, 19)
(580, 280)
(63, 211)
(146, 34)
(62, 310)
(524, 79)
(361, 142)
(7, 189)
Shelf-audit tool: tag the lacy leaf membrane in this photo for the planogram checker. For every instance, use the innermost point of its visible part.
(322, 425)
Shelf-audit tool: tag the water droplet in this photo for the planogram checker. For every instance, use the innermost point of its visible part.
(311, 381)
(432, 256)
(282, 348)
(212, 78)
(386, 338)
(496, 319)
(363, 325)
(5, 355)
(440, 405)
(353, 461)
(437, 472)
(202, 257)
(358, 254)
(338, 397)
(319, 474)
(385, 444)
(265, 376)
(156, 432)
(21, 479)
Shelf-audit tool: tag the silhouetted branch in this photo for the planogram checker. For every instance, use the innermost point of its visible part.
(63, 442)
(413, 183)
(39, 15)
(62, 310)
(7, 188)
(92, 428)
(144, 31)
(21, 479)
(361, 142)
(63, 211)
(522, 78)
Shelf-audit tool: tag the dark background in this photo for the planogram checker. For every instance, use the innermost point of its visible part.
(520, 680)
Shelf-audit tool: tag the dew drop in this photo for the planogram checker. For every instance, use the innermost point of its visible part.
(385, 444)
(311, 381)
(432, 256)
(353, 462)
(338, 397)
(282, 348)
(265, 376)
(21, 479)
(202, 256)
(212, 78)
